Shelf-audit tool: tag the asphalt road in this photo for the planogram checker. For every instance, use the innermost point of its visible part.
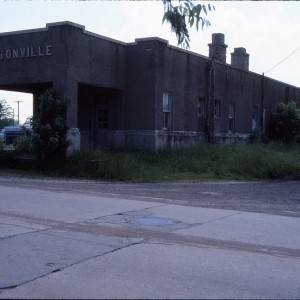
(87, 239)
(278, 197)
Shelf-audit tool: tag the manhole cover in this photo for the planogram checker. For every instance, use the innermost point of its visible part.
(152, 221)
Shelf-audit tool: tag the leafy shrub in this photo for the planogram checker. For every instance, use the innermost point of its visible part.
(255, 136)
(23, 144)
(285, 123)
(49, 127)
(6, 118)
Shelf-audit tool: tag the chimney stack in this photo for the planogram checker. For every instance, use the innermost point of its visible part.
(217, 49)
(240, 59)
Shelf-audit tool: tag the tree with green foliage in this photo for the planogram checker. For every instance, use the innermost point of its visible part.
(184, 14)
(50, 127)
(6, 115)
(285, 123)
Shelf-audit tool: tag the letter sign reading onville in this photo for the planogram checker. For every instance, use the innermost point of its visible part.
(25, 52)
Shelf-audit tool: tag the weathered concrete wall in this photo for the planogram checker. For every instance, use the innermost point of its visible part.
(39, 58)
(184, 75)
(60, 56)
(155, 139)
(73, 137)
(231, 138)
(94, 59)
(90, 69)
(241, 88)
(178, 139)
(140, 84)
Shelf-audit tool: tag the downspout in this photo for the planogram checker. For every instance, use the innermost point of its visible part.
(209, 127)
(213, 104)
(262, 106)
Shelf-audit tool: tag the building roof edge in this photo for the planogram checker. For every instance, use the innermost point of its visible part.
(62, 23)
(23, 31)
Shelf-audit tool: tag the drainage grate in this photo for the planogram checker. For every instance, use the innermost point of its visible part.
(151, 221)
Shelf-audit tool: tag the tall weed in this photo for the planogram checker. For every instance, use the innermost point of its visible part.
(240, 161)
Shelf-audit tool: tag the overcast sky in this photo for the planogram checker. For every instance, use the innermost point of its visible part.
(270, 31)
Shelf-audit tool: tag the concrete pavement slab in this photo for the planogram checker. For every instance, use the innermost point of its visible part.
(26, 257)
(187, 214)
(170, 271)
(81, 256)
(10, 226)
(65, 207)
(253, 228)
(7, 230)
(165, 217)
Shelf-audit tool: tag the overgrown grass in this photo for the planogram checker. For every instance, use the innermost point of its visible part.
(250, 162)
(239, 162)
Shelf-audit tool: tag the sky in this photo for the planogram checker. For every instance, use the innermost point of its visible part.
(269, 30)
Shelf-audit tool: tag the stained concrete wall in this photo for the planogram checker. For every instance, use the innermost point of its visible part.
(184, 75)
(73, 56)
(140, 85)
(134, 77)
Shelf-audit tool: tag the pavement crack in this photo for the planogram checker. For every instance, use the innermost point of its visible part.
(124, 213)
(99, 255)
(70, 265)
(19, 226)
(56, 270)
(216, 220)
(8, 288)
(122, 248)
(22, 234)
(33, 220)
(148, 235)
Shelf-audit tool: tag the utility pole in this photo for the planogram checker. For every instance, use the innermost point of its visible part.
(18, 101)
(263, 106)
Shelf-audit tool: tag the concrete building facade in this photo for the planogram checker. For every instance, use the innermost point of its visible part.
(141, 95)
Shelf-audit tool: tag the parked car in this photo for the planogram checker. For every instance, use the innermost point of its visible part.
(10, 133)
(2, 135)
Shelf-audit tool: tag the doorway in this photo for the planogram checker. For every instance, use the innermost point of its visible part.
(102, 121)
(100, 114)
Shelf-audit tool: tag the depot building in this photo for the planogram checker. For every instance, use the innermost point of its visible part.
(141, 95)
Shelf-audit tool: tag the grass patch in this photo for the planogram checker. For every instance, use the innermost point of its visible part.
(207, 162)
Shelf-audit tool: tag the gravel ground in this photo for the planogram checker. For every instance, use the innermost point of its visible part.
(274, 197)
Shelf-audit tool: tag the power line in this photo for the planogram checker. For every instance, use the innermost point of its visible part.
(283, 60)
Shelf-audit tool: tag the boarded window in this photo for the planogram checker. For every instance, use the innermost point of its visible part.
(231, 117)
(167, 102)
(201, 109)
(217, 109)
(102, 118)
(264, 120)
(254, 117)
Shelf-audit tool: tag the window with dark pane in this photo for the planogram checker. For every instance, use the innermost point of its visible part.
(102, 118)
